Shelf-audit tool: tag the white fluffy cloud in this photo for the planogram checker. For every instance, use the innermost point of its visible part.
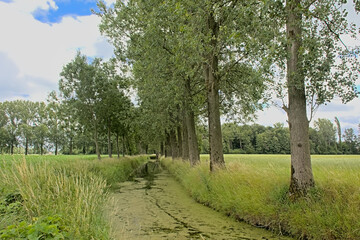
(26, 6)
(39, 50)
(109, 2)
(348, 114)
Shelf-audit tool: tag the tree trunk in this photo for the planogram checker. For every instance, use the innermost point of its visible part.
(212, 85)
(26, 146)
(185, 139)
(41, 148)
(71, 146)
(179, 140)
(97, 144)
(338, 126)
(194, 156)
(123, 145)
(109, 142)
(301, 172)
(56, 147)
(162, 151)
(117, 145)
(167, 145)
(173, 144)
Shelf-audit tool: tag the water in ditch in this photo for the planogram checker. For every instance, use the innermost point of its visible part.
(157, 207)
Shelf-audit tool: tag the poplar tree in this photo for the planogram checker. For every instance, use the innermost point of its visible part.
(311, 55)
(209, 45)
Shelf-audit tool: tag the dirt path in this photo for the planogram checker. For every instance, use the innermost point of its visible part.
(163, 210)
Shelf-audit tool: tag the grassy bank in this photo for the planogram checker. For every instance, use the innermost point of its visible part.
(254, 189)
(57, 197)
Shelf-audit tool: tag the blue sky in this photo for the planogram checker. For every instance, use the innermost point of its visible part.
(38, 37)
(72, 8)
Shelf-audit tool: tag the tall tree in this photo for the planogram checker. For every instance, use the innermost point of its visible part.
(11, 111)
(54, 108)
(350, 140)
(41, 129)
(197, 41)
(28, 113)
(81, 84)
(314, 73)
(114, 102)
(69, 124)
(3, 122)
(326, 136)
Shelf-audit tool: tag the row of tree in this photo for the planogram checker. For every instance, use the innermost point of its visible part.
(38, 128)
(256, 138)
(93, 104)
(202, 59)
(35, 127)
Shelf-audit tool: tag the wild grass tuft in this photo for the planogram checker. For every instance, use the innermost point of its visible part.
(73, 191)
(254, 188)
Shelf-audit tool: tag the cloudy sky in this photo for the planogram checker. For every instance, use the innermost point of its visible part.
(38, 37)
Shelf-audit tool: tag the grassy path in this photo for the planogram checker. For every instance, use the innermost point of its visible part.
(161, 209)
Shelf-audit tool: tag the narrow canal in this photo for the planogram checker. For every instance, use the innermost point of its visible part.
(157, 207)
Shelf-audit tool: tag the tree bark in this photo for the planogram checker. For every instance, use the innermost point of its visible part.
(26, 146)
(179, 141)
(117, 145)
(167, 145)
(192, 143)
(109, 142)
(123, 145)
(173, 144)
(97, 144)
(71, 146)
(56, 147)
(185, 139)
(301, 172)
(41, 148)
(212, 85)
(162, 151)
(194, 156)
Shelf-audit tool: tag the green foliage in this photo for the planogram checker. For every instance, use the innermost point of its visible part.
(50, 227)
(114, 171)
(255, 188)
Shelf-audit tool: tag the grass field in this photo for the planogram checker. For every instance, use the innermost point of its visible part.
(254, 188)
(57, 197)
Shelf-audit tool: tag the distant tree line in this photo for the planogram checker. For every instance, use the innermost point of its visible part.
(259, 139)
(38, 128)
(93, 108)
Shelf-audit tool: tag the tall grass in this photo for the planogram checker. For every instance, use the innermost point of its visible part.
(74, 190)
(254, 188)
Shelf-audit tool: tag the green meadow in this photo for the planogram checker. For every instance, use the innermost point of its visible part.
(58, 197)
(254, 188)
(62, 197)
